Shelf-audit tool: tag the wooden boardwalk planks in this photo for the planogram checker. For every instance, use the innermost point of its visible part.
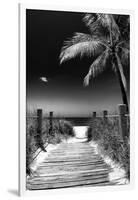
(70, 165)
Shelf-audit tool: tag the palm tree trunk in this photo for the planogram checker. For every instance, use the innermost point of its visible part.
(123, 91)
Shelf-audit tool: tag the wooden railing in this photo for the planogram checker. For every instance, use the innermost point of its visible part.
(122, 115)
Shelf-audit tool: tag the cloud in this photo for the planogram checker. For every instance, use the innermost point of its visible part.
(44, 79)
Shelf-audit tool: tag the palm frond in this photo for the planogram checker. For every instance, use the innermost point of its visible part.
(89, 19)
(81, 44)
(123, 22)
(92, 22)
(98, 20)
(97, 66)
(124, 53)
(123, 44)
(120, 67)
(108, 21)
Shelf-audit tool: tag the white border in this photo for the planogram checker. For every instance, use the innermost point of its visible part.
(22, 99)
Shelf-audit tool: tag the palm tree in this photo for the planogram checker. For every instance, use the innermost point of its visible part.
(105, 43)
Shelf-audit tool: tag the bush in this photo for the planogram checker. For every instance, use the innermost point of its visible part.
(61, 130)
(110, 143)
(66, 128)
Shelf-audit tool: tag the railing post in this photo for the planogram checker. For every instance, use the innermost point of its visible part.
(94, 115)
(39, 121)
(122, 120)
(93, 119)
(39, 130)
(105, 113)
(50, 122)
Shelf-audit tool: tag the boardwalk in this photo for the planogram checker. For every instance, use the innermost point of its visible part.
(71, 165)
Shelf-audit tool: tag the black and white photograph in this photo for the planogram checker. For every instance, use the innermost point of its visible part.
(77, 99)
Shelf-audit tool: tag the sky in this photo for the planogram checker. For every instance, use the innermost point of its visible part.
(62, 91)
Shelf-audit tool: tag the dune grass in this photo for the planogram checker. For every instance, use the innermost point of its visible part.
(62, 130)
(106, 134)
